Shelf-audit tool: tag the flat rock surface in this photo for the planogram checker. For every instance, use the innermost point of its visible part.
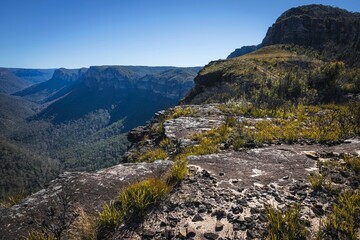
(280, 164)
(225, 194)
(87, 190)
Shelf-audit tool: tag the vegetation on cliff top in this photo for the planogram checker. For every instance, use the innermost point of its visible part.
(275, 76)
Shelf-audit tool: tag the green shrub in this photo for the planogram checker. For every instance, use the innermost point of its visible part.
(316, 181)
(353, 162)
(181, 112)
(13, 199)
(138, 197)
(178, 171)
(152, 155)
(344, 221)
(166, 144)
(109, 218)
(39, 235)
(285, 225)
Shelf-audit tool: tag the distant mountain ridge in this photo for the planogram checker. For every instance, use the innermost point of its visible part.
(60, 84)
(16, 79)
(130, 92)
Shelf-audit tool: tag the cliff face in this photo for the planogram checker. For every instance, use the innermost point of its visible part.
(171, 83)
(126, 92)
(60, 84)
(333, 31)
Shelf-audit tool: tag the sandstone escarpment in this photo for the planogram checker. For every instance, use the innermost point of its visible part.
(333, 31)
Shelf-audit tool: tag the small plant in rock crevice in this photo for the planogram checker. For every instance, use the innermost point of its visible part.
(285, 224)
(316, 181)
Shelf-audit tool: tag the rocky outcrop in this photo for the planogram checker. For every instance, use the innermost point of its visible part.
(77, 189)
(333, 31)
(242, 51)
(225, 194)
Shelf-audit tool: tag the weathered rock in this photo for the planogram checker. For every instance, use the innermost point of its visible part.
(190, 232)
(211, 236)
(137, 134)
(148, 233)
(197, 218)
(219, 226)
(182, 232)
(77, 188)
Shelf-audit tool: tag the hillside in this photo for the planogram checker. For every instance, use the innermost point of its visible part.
(10, 82)
(274, 76)
(22, 170)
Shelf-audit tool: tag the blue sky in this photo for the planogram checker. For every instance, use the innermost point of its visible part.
(79, 33)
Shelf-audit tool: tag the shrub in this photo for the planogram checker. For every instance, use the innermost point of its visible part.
(180, 112)
(353, 162)
(285, 225)
(316, 181)
(109, 218)
(138, 197)
(166, 143)
(344, 221)
(85, 226)
(152, 155)
(13, 199)
(39, 235)
(178, 171)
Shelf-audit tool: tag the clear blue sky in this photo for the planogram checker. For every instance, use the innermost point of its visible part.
(81, 33)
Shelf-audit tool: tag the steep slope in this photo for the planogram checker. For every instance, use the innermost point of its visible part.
(20, 169)
(255, 77)
(309, 55)
(14, 111)
(61, 83)
(333, 31)
(129, 93)
(227, 191)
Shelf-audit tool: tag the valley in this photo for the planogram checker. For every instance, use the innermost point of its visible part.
(78, 119)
